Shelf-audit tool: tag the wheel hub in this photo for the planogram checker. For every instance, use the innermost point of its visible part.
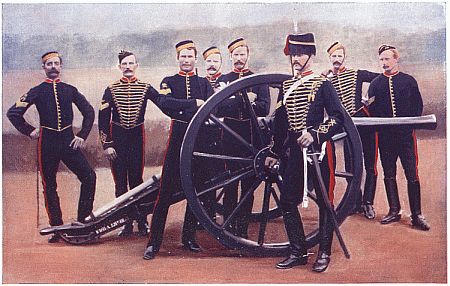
(260, 169)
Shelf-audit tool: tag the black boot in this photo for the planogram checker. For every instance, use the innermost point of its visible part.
(326, 238)
(322, 262)
(393, 200)
(54, 238)
(188, 235)
(369, 194)
(143, 228)
(417, 219)
(150, 252)
(294, 229)
(229, 204)
(358, 206)
(127, 230)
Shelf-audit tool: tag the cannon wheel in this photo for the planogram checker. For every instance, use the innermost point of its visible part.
(255, 170)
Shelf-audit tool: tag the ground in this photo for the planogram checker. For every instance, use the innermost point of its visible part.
(390, 253)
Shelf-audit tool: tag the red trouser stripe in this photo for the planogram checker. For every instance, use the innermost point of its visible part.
(162, 173)
(44, 184)
(331, 167)
(416, 153)
(376, 155)
(165, 155)
(143, 149)
(110, 162)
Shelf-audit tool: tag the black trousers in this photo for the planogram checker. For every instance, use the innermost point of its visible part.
(369, 140)
(292, 190)
(170, 185)
(53, 148)
(207, 172)
(232, 147)
(128, 167)
(399, 143)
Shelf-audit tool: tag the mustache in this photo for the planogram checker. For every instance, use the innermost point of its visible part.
(54, 70)
(211, 69)
(337, 62)
(127, 70)
(296, 63)
(238, 62)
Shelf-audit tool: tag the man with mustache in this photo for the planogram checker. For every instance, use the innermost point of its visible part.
(299, 123)
(122, 133)
(53, 100)
(188, 86)
(237, 117)
(348, 84)
(397, 95)
(213, 63)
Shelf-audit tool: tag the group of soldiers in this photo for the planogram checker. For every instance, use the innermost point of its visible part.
(299, 123)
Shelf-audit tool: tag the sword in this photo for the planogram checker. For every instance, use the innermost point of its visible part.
(327, 203)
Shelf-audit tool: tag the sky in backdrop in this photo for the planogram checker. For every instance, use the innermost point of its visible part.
(109, 19)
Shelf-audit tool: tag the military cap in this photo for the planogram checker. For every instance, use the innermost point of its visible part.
(50, 55)
(185, 45)
(334, 47)
(300, 44)
(123, 54)
(236, 43)
(383, 48)
(209, 51)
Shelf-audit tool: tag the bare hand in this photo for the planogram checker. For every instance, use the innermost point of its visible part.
(326, 72)
(34, 134)
(110, 153)
(305, 140)
(76, 143)
(251, 96)
(199, 102)
(270, 162)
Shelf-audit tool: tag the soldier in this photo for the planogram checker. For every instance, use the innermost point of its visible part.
(348, 84)
(397, 95)
(122, 133)
(53, 99)
(213, 63)
(237, 117)
(185, 85)
(299, 123)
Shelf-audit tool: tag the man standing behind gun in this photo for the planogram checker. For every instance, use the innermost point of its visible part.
(397, 95)
(348, 84)
(187, 86)
(299, 123)
(53, 99)
(122, 133)
(237, 117)
(213, 143)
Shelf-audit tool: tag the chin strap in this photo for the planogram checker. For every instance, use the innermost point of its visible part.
(303, 67)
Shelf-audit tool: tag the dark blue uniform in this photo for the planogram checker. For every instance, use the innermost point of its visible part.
(304, 109)
(188, 87)
(53, 100)
(237, 117)
(348, 84)
(398, 95)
